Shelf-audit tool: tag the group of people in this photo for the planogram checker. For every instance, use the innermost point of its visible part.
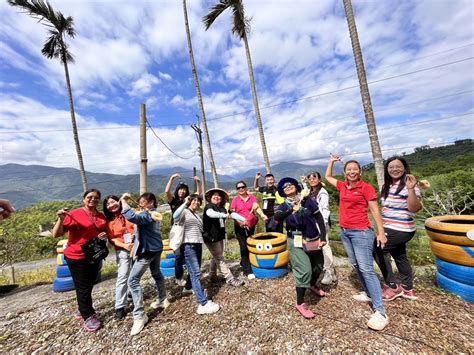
(298, 209)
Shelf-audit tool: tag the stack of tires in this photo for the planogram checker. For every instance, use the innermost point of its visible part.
(63, 281)
(452, 242)
(268, 255)
(167, 260)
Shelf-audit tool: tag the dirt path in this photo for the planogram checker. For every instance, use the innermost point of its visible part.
(258, 317)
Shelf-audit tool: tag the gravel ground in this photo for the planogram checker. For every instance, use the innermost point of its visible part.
(259, 317)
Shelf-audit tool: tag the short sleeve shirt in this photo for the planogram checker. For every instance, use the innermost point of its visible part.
(174, 204)
(395, 213)
(268, 197)
(244, 208)
(117, 227)
(80, 230)
(353, 204)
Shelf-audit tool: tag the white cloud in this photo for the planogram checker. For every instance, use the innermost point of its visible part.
(143, 85)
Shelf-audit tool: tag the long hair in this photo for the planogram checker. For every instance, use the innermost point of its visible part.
(109, 215)
(387, 180)
(149, 196)
(315, 190)
(181, 185)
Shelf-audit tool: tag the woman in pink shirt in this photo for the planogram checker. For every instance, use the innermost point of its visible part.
(245, 205)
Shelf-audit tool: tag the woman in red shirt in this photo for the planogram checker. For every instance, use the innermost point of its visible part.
(357, 235)
(82, 224)
(120, 233)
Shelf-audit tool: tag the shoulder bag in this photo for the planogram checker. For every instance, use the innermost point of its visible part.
(95, 249)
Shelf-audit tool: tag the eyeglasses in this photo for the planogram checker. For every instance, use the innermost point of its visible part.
(92, 198)
(287, 185)
(241, 187)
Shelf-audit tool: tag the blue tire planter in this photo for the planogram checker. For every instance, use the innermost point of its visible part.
(167, 271)
(63, 271)
(460, 273)
(466, 292)
(167, 263)
(269, 273)
(63, 284)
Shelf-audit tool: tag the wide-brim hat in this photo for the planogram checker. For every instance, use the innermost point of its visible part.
(284, 181)
(224, 195)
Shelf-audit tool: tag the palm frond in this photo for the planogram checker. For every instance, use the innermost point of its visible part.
(240, 22)
(215, 11)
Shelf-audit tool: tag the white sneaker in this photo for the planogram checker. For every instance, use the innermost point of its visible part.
(138, 325)
(187, 291)
(180, 282)
(163, 304)
(251, 276)
(377, 321)
(362, 297)
(209, 308)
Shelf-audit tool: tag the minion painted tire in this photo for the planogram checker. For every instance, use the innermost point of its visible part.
(270, 261)
(63, 284)
(167, 263)
(60, 260)
(63, 271)
(466, 292)
(261, 273)
(166, 245)
(460, 273)
(451, 229)
(457, 254)
(266, 243)
(167, 271)
(168, 254)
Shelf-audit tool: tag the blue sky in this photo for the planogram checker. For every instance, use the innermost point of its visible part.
(418, 56)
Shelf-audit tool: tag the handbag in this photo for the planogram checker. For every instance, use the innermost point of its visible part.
(312, 245)
(95, 250)
(176, 236)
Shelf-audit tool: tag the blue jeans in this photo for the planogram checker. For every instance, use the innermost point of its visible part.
(193, 258)
(359, 246)
(147, 259)
(124, 264)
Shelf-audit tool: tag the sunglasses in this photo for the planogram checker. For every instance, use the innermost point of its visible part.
(241, 187)
(287, 185)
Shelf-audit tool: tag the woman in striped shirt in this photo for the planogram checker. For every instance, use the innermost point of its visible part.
(401, 199)
(186, 215)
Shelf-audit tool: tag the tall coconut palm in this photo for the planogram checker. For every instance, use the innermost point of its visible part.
(199, 97)
(240, 28)
(55, 47)
(364, 92)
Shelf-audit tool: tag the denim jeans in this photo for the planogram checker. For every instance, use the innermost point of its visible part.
(151, 260)
(359, 246)
(193, 258)
(124, 264)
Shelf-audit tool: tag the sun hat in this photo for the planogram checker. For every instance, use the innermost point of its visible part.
(224, 195)
(284, 181)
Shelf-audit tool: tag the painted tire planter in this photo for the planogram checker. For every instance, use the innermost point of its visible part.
(60, 260)
(451, 229)
(167, 254)
(261, 273)
(458, 254)
(266, 243)
(63, 284)
(455, 272)
(271, 261)
(167, 263)
(466, 292)
(167, 271)
(60, 246)
(63, 271)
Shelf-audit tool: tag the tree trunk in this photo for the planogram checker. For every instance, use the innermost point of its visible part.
(74, 128)
(364, 92)
(199, 97)
(256, 108)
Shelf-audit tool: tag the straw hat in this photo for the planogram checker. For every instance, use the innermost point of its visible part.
(224, 195)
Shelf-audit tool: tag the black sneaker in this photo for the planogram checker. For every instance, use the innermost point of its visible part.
(120, 314)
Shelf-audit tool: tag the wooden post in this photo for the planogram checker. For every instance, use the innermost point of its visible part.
(143, 158)
(195, 182)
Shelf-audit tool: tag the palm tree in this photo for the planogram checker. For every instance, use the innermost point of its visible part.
(199, 97)
(240, 28)
(364, 92)
(55, 47)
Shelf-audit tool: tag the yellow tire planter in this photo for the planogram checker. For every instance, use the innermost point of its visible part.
(266, 243)
(60, 246)
(458, 254)
(451, 229)
(270, 261)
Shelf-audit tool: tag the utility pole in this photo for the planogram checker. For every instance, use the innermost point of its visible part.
(195, 182)
(201, 154)
(143, 158)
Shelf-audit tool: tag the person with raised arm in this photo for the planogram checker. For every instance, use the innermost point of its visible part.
(270, 199)
(357, 235)
(6, 209)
